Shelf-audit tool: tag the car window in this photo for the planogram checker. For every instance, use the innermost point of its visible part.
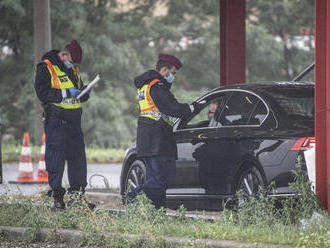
(303, 106)
(242, 108)
(295, 101)
(258, 114)
(206, 117)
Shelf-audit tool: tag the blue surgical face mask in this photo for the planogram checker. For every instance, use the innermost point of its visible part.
(170, 78)
(67, 64)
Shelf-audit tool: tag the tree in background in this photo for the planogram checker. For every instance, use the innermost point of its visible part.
(120, 43)
(291, 24)
(16, 66)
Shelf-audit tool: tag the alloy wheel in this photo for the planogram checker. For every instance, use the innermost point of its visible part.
(248, 185)
(135, 176)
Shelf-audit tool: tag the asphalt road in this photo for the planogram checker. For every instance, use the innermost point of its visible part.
(98, 176)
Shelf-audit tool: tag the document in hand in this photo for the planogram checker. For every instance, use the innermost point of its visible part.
(89, 86)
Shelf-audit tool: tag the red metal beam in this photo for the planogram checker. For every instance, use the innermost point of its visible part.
(322, 101)
(232, 41)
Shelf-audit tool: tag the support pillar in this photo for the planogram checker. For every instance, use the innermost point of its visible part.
(322, 101)
(232, 41)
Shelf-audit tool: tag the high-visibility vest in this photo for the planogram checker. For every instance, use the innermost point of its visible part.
(148, 108)
(60, 80)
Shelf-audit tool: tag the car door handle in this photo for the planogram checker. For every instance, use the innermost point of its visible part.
(199, 138)
(202, 136)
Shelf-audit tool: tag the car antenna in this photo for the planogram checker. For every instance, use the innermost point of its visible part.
(303, 73)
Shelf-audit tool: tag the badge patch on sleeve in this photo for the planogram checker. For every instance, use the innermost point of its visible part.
(141, 95)
(63, 79)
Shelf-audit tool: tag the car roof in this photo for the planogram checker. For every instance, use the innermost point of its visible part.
(265, 85)
(262, 87)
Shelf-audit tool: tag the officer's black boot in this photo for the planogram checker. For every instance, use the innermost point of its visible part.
(57, 195)
(58, 204)
(78, 199)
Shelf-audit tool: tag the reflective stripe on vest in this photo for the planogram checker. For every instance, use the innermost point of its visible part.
(147, 107)
(60, 80)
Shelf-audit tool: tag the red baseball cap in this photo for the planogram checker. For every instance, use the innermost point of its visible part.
(171, 59)
(75, 51)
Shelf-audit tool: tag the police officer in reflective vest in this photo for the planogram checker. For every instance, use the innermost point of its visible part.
(155, 139)
(57, 84)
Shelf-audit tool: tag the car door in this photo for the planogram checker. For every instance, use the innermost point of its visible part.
(190, 135)
(236, 126)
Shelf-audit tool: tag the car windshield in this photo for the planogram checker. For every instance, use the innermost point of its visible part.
(296, 102)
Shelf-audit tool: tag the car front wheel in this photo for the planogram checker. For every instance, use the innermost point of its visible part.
(136, 175)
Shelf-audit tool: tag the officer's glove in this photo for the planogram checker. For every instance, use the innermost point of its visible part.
(74, 92)
(197, 106)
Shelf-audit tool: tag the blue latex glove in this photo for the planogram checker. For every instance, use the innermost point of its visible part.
(74, 92)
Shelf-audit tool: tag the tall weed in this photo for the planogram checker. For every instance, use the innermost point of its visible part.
(299, 221)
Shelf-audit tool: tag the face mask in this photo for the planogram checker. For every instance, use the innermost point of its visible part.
(170, 78)
(67, 64)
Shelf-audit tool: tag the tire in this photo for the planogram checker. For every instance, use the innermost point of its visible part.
(248, 183)
(136, 175)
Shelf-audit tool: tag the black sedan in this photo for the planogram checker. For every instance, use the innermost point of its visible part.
(245, 136)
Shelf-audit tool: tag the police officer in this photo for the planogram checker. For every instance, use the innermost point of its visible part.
(57, 84)
(155, 138)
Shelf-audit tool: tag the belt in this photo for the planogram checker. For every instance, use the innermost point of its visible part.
(62, 121)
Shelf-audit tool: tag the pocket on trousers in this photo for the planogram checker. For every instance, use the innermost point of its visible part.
(54, 134)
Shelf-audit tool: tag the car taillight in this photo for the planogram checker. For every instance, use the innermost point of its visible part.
(303, 143)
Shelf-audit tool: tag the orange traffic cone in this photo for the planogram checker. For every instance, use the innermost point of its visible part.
(42, 173)
(25, 169)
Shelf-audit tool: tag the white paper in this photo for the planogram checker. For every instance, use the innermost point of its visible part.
(310, 164)
(89, 86)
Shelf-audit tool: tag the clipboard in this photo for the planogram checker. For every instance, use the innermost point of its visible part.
(89, 86)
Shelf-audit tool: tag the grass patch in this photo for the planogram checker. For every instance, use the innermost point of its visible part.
(98, 155)
(257, 221)
(298, 222)
(11, 153)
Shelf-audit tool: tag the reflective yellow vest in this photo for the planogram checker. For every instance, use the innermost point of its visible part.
(148, 108)
(60, 80)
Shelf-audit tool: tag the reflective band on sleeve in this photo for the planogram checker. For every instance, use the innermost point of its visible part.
(191, 108)
(154, 114)
(64, 95)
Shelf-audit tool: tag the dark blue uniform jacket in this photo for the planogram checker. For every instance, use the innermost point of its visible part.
(47, 94)
(156, 138)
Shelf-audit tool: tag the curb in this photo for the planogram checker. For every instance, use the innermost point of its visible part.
(104, 197)
(77, 237)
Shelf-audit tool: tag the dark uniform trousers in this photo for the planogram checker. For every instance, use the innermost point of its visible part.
(65, 141)
(160, 174)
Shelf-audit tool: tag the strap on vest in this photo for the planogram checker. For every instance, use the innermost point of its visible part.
(150, 101)
(55, 77)
(77, 71)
